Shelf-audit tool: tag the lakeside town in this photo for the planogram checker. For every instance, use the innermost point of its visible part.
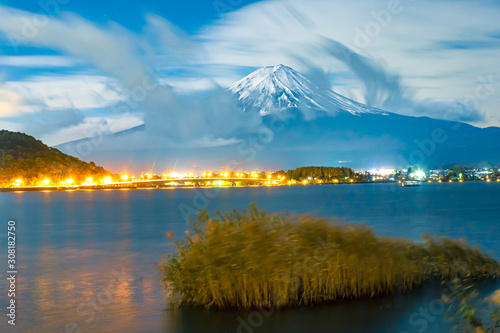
(457, 173)
(299, 176)
(30, 165)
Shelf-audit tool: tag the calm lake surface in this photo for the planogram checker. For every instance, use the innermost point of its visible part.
(87, 260)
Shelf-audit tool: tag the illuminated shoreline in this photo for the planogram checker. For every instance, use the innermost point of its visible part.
(191, 184)
(298, 176)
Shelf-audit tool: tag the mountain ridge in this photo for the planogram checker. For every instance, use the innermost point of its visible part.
(309, 126)
(274, 89)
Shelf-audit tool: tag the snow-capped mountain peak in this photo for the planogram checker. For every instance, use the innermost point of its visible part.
(270, 79)
(274, 88)
(278, 88)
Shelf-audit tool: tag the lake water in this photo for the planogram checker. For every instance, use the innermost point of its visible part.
(87, 260)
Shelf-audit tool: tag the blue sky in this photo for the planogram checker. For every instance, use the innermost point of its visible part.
(189, 15)
(68, 68)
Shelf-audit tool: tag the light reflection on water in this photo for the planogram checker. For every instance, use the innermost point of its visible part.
(88, 259)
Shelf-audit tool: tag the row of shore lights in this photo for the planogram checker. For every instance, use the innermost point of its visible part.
(204, 175)
(125, 177)
(67, 182)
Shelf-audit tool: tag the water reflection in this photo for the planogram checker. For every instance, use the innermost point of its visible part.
(88, 259)
(417, 311)
(382, 315)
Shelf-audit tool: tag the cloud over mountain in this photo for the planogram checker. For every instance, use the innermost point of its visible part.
(138, 71)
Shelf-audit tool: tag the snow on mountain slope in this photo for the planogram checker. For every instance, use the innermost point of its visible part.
(277, 88)
(274, 88)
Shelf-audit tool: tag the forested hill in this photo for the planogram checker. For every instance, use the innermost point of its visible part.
(320, 173)
(26, 158)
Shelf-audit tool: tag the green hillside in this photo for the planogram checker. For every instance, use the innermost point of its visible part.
(24, 157)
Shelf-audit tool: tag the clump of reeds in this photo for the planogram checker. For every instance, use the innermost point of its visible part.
(255, 259)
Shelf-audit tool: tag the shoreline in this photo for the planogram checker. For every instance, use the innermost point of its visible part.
(154, 187)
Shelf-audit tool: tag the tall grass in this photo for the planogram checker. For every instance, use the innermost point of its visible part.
(470, 313)
(255, 259)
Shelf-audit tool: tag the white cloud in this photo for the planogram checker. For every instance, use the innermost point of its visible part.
(111, 48)
(442, 109)
(10, 103)
(58, 92)
(418, 42)
(36, 61)
(410, 59)
(129, 59)
(94, 127)
(189, 85)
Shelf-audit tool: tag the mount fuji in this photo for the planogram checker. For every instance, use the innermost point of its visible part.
(304, 125)
(323, 127)
(278, 88)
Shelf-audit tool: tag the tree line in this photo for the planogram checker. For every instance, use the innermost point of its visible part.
(318, 173)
